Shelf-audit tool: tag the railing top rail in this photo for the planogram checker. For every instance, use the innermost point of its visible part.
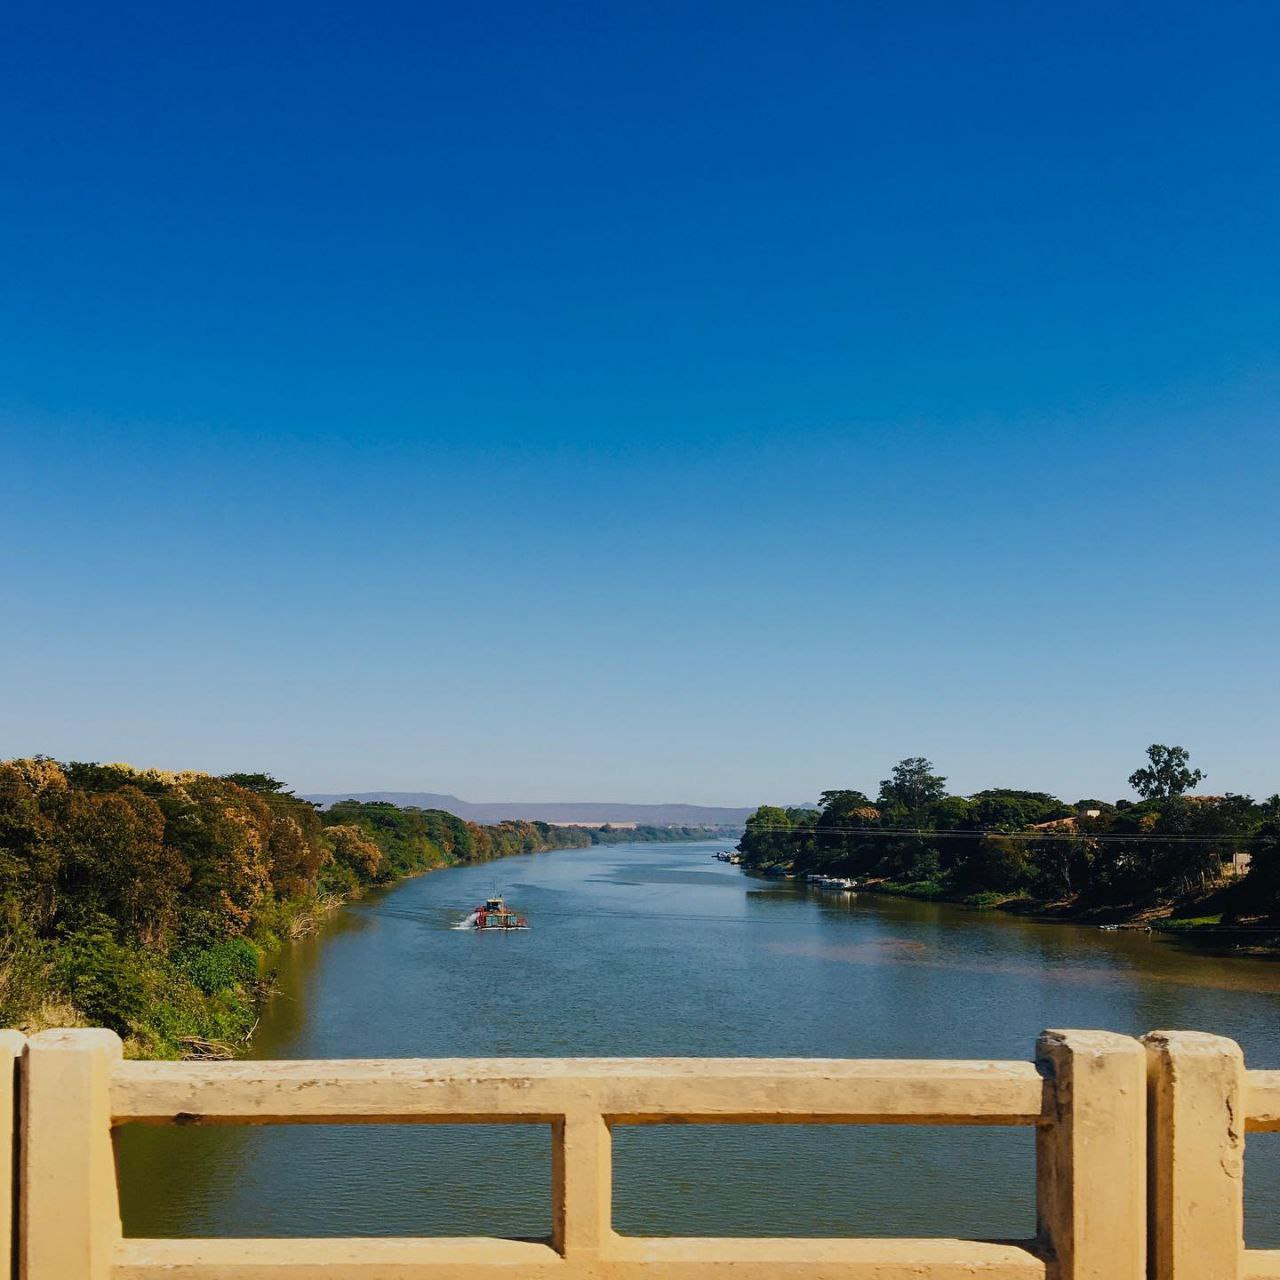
(1262, 1101)
(624, 1090)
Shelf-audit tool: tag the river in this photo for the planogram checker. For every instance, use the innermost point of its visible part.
(650, 949)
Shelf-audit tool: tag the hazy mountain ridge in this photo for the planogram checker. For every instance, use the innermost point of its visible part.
(552, 811)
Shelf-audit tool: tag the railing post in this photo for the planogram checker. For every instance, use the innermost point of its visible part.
(1091, 1155)
(68, 1205)
(582, 1184)
(1196, 1136)
(11, 1046)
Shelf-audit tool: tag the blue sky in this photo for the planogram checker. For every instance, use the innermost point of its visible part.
(668, 402)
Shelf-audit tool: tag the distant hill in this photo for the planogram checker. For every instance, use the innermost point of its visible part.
(659, 815)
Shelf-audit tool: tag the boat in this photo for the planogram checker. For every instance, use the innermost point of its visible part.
(495, 914)
(841, 884)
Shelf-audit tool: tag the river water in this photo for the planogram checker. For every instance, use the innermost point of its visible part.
(645, 949)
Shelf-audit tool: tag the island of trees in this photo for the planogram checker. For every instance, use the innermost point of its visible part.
(1206, 860)
(148, 901)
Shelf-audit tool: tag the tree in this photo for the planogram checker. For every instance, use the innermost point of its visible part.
(913, 786)
(1259, 891)
(1060, 865)
(222, 835)
(294, 860)
(841, 800)
(1167, 775)
(769, 816)
(29, 846)
(116, 865)
(353, 849)
(995, 864)
(1204, 833)
(262, 783)
(1004, 809)
(844, 809)
(768, 836)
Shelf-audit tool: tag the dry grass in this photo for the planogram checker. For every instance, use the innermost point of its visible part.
(50, 1015)
(308, 921)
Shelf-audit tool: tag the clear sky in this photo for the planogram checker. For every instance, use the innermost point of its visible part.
(708, 402)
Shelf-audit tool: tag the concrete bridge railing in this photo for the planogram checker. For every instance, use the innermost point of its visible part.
(1201, 1102)
(1110, 1115)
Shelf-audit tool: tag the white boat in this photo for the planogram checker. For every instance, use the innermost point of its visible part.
(839, 884)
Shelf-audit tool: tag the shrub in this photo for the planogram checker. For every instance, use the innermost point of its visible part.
(106, 981)
(223, 966)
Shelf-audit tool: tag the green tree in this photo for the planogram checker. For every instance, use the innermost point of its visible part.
(262, 783)
(116, 865)
(1060, 865)
(913, 787)
(223, 835)
(768, 836)
(103, 978)
(1167, 775)
(995, 864)
(1001, 809)
(29, 845)
(1259, 892)
(835, 806)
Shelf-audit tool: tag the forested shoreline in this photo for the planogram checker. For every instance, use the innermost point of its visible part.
(1209, 862)
(150, 902)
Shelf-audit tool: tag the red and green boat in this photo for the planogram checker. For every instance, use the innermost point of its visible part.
(495, 914)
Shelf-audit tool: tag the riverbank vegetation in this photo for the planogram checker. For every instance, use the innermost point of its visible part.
(1214, 859)
(644, 833)
(149, 902)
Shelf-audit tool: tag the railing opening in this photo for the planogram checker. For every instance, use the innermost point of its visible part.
(823, 1180)
(1261, 1191)
(335, 1180)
